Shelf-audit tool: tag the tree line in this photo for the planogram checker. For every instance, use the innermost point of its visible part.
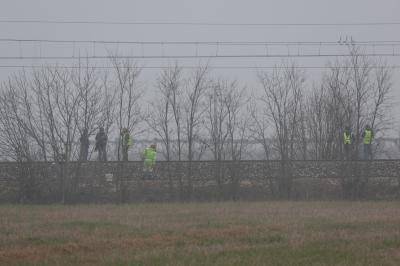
(43, 113)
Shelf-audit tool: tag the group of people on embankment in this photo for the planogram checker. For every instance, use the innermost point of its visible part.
(367, 139)
(149, 155)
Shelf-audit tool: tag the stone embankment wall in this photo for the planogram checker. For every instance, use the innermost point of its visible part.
(120, 182)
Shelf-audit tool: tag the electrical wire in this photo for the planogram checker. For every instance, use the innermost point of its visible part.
(183, 23)
(185, 67)
(394, 54)
(212, 43)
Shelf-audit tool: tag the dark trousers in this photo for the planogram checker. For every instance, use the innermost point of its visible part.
(83, 156)
(367, 152)
(125, 153)
(347, 152)
(102, 154)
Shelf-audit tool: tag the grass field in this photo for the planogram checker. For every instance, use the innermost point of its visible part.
(233, 233)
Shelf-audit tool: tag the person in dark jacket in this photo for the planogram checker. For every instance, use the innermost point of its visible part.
(84, 140)
(101, 144)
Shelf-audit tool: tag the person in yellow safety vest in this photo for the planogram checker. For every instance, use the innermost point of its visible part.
(347, 142)
(126, 143)
(368, 136)
(150, 155)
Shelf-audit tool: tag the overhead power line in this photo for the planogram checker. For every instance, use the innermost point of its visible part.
(394, 54)
(213, 43)
(184, 67)
(185, 23)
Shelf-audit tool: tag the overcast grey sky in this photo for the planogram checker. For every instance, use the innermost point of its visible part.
(208, 11)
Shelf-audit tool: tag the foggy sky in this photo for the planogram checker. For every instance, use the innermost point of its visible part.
(212, 11)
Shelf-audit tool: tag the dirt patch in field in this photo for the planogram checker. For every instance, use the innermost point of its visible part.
(219, 232)
(153, 241)
(38, 253)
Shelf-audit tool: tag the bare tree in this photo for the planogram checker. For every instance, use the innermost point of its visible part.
(382, 86)
(108, 104)
(196, 86)
(282, 99)
(20, 114)
(193, 108)
(162, 112)
(362, 90)
(260, 131)
(360, 67)
(59, 101)
(215, 121)
(166, 110)
(14, 138)
(175, 82)
(128, 96)
(237, 119)
(236, 124)
(351, 93)
(89, 114)
(259, 127)
(215, 124)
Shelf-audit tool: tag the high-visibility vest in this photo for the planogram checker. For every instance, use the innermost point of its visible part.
(150, 155)
(347, 138)
(368, 136)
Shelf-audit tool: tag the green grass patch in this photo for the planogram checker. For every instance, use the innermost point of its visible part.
(393, 242)
(259, 240)
(42, 240)
(270, 233)
(89, 225)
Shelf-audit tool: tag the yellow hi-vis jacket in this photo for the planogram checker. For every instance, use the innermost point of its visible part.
(150, 156)
(368, 136)
(347, 138)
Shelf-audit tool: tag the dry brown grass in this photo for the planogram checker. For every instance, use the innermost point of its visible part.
(233, 233)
